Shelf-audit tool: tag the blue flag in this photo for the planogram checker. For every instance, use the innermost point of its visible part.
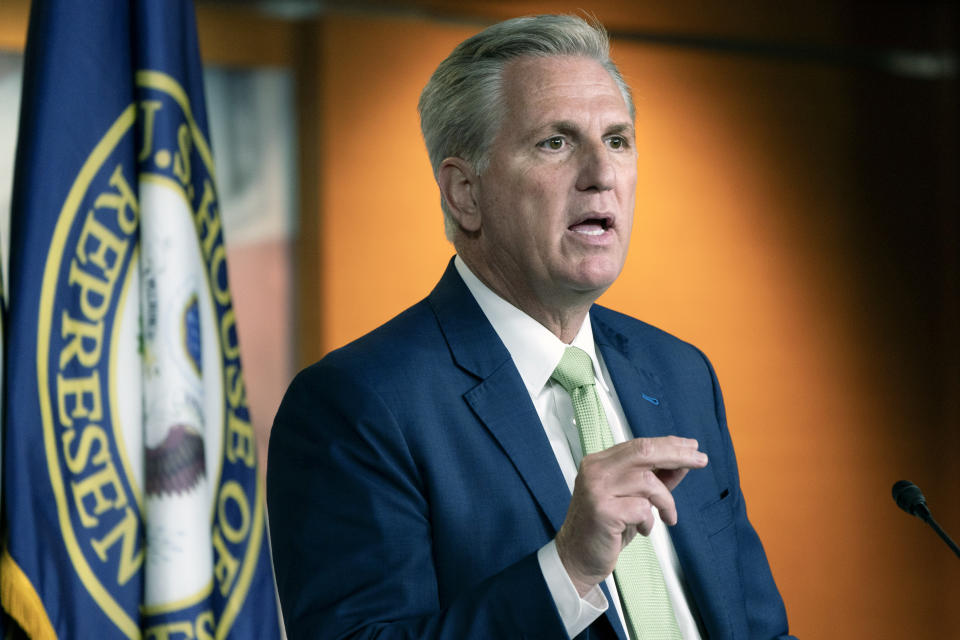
(133, 507)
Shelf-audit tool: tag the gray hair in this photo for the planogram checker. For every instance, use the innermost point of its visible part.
(461, 107)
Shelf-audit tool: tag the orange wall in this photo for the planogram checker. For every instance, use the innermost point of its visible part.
(744, 244)
(381, 245)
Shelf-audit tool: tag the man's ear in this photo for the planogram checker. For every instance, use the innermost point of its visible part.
(460, 188)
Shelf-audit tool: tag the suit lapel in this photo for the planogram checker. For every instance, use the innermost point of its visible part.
(503, 406)
(611, 615)
(639, 392)
(500, 400)
(646, 405)
(641, 397)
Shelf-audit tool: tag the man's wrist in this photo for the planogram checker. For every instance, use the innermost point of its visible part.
(582, 582)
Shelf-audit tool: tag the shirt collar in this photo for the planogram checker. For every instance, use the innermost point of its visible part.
(536, 352)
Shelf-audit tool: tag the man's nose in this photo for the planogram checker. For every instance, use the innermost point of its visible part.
(597, 170)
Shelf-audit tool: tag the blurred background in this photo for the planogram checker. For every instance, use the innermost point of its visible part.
(797, 218)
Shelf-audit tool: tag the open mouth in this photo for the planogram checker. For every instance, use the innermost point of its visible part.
(592, 226)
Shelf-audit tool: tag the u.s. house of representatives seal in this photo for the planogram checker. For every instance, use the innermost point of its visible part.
(148, 441)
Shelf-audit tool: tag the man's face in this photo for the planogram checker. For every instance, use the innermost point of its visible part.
(556, 199)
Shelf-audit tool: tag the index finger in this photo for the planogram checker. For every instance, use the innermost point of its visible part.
(668, 452)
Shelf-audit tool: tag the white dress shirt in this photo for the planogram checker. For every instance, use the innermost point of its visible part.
(536, 352)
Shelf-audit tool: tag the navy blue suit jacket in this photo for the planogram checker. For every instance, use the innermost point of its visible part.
(410, 484)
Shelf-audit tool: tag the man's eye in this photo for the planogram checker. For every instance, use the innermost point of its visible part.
(554, 144)
(617, 142)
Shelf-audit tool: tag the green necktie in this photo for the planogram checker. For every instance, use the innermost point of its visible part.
(643, 593)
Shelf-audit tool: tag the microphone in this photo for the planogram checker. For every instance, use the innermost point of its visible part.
(909, 498)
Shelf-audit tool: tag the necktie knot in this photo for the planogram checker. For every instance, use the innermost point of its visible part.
(575, 369)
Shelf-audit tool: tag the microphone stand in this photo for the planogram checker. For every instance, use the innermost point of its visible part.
(924, 514)
(909, 498)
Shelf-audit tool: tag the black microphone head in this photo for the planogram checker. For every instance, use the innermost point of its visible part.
(910, 498)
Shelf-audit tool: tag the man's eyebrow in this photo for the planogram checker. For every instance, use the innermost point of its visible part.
(558, 126)
(620, 128)
(569, 127)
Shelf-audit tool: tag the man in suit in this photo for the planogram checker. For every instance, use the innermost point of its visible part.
(501, 460)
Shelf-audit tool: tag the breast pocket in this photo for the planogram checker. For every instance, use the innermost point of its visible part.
(717, 516)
